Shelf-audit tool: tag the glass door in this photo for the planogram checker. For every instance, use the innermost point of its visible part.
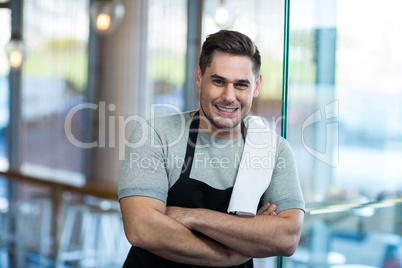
(345, 125)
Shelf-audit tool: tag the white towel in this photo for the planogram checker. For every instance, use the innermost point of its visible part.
(256, 167)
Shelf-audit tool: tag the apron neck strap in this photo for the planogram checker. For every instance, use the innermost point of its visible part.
(192, 140)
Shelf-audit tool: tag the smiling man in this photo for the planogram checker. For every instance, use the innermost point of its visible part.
(175, 213)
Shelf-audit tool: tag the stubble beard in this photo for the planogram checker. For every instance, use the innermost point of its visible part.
(216, 124)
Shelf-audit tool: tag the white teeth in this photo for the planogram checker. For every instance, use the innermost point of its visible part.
(226, 110)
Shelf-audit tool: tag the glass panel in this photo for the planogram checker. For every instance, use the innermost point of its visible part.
(262, 21)
(167, 40)
(364, 237)
(345, 96)
(5, 21)
(54, 80)
(345, 117)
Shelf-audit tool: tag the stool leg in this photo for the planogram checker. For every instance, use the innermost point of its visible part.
(88, 237)
(100, 243)
(65, 236)
(19, 240)
(44, 232)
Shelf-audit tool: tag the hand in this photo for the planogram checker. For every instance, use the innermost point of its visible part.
(267, 209)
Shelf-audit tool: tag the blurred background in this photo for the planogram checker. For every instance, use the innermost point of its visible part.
(76, 76)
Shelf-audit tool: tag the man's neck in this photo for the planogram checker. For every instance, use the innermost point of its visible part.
(220, 133)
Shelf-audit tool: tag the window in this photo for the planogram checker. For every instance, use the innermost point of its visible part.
(167, 40)
(54, 79)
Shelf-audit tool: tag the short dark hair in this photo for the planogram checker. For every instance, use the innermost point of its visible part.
(230, 42)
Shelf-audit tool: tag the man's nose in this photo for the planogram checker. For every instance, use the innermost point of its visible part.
(229, 93)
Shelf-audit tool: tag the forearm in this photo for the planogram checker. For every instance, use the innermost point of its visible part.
(259, 236)
(170, 240)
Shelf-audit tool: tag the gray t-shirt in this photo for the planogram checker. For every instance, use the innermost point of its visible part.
(155, 155)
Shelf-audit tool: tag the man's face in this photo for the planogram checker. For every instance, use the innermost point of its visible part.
(228, 87)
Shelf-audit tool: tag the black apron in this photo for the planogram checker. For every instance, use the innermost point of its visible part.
(188, 193)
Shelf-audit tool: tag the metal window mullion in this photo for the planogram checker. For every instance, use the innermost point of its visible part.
(92, 96)
(285, 76)
(14, 127)
(194, 23)
(285, 69)
(15, 85)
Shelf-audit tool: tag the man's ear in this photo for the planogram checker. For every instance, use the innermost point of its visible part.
(257, 88)
(198, 76)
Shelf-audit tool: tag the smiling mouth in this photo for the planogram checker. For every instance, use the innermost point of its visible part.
(226, 110)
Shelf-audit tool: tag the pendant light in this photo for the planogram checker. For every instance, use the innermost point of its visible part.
(106, 15)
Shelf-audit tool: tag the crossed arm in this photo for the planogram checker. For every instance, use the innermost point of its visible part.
(228, 240)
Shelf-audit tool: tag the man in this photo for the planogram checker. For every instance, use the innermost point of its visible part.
(176, 182)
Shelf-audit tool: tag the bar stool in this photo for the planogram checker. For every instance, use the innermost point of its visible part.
(92, 236)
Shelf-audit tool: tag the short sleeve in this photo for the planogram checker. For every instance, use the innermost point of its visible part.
(142, 171)
(284, 189)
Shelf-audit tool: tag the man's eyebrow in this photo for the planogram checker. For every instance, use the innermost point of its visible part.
(245, 81)
(218, 77)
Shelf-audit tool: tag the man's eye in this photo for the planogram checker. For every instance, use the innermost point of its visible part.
(241, 85)
(218, 82)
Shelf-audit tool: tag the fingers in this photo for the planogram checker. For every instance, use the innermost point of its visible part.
(272, 210)
(267, 209)
(263, 208)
